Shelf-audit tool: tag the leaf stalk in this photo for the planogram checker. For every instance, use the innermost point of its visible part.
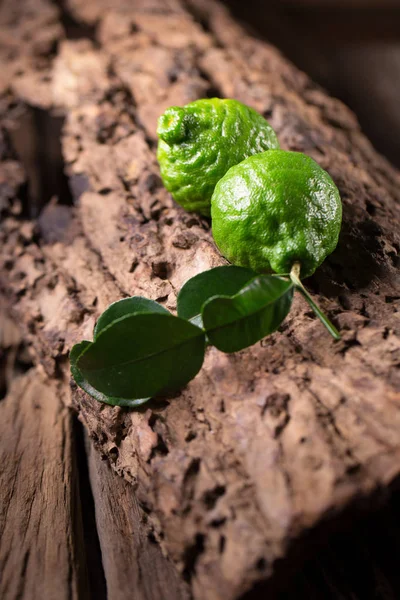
(295, 278)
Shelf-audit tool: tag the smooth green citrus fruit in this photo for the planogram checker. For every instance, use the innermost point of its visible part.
(199, 142)
(275, 209)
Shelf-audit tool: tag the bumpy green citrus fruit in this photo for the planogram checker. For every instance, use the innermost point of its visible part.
(275, 209)
(199, 142)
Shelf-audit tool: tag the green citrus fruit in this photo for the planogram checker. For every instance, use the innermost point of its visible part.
(275, 209)
(199, 142)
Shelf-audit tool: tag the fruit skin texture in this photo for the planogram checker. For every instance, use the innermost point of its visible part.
(199, 142)
(274, 209)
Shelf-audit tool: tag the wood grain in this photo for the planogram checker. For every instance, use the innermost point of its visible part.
(42, 552)
(132, 559)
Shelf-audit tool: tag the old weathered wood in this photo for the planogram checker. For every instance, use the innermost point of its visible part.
(132, 559)
(10, 338)
(42, 551)
(46, 544)
(265, 444)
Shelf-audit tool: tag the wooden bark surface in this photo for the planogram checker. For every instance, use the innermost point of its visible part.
(42, 554)
(262, 445)
(132, 560)
(46, 548)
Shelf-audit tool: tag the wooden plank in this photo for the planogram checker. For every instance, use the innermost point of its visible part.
(41, 541)
(132, 559)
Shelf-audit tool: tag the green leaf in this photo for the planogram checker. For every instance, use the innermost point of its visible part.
(127, 306)
(121, 308)
(143, 355)
(75, 353)
(257, 310)
(227, 280)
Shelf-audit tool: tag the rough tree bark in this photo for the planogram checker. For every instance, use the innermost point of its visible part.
(265, 444)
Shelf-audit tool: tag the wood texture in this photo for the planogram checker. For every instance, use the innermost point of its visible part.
(265, 444)
(42, 552)
(132, 559)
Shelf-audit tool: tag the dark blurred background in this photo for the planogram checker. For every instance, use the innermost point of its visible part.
(351, 47)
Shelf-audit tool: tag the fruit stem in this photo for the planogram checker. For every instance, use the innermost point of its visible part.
(295, 278)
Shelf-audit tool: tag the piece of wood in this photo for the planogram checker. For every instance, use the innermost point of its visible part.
(10, 339)
(47, 539)
(266, 444)
(42, 551)
(132, 559)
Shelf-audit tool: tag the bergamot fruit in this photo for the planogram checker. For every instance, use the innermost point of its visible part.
(199, 142)
(275, 209)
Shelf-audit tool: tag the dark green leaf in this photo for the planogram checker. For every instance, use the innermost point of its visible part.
(127, 306)
(133, 305)
(143, 355)
(75, 353)
(227, 281)
(257, 310)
